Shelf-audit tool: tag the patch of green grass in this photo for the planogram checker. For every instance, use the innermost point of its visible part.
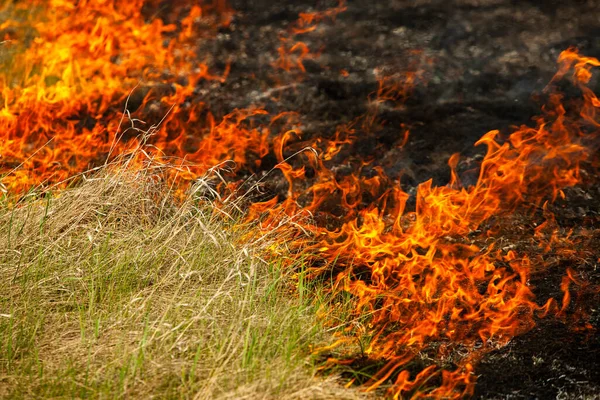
(111, 289)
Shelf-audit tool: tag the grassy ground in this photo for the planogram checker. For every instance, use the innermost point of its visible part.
(111, 289)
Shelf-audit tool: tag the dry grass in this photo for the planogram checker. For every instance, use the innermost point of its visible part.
(111, 289)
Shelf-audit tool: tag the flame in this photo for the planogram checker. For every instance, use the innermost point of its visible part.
(422, 281)
(415, 276)
(292, 52)
(64, 90)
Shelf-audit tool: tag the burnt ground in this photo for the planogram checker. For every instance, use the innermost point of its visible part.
(559, 357)
(484, 63)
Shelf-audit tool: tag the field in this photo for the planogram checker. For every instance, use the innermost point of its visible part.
(113, 289)
(332, 199)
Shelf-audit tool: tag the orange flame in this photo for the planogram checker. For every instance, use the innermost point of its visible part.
(413, 274)
(63, 90)
(292, 52)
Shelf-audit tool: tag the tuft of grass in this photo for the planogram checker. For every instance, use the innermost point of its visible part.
(112, 289)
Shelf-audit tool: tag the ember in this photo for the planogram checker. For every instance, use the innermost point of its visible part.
(446, 266)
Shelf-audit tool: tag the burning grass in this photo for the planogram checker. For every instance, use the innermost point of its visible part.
(112, 289)
(423, 285)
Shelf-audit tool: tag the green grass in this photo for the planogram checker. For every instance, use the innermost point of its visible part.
(111, 289)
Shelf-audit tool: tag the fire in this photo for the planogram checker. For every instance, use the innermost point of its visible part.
(64, 90)
(424, 287)
(422, 279)
(293, 52)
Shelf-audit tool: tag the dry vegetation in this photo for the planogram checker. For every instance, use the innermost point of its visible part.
(111, 289)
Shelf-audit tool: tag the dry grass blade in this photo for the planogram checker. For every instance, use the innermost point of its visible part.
(113, 289)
